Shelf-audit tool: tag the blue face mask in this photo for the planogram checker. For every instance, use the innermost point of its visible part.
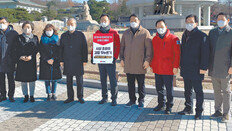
(221, 23)
(190, 26)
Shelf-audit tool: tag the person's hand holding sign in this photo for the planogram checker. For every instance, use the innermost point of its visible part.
(203, 71)
(175, 71)
(122, 63)
(230, 71)
(146, 65)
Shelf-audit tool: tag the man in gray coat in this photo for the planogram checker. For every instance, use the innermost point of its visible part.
(220, 66)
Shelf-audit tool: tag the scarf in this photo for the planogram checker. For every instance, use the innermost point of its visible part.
(50, 40)
(134, 30)
(105, 29)
(28, 37)
(162, 36)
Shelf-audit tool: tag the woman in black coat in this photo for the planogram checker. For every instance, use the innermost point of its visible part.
(26, 50)
(50, 60)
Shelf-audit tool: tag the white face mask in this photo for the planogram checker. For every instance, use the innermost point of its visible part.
(27, 31)
(221, 23)
(71, 28)
(134, 24)
(3, 26)
(190, 26)
(49, 33)
(103, 24)
(161, 31)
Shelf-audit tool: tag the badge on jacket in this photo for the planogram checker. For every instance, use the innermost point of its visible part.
(178, 42)
(205, 39)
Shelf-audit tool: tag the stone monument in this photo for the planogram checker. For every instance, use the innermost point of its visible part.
(164, 7)
(85, 21)
(173, 11)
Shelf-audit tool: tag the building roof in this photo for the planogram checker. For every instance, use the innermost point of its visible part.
(23, 2)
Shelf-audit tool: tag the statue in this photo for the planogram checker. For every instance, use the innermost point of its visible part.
(170, 7)
(159, 7)
(84, 19)
(164, 7)
(86, 14)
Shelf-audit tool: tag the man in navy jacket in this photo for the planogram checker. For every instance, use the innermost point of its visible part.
(8, 38)
(194, 64)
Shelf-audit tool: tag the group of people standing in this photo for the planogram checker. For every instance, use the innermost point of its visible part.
(194, 54)
(19, 59)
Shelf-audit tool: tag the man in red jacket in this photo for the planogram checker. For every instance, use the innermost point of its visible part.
(109, 69)
(165, 64)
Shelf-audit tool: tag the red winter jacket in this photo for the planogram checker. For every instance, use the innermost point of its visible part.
(116, 42)
(166, 54)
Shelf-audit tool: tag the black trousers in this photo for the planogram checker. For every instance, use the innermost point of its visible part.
(70, 91)
(167, 81)
(110, 70)
(189, 85)
(131, 86)
(11, 84)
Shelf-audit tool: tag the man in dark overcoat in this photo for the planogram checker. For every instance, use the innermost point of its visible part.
(194, 64)
(8, 40)
(74, 56)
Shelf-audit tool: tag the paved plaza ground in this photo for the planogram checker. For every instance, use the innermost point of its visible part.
(55, 115)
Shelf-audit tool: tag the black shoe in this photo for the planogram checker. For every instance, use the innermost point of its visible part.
(26, 99)
(130, 103)
(54, 97)
(11, 99)
(68, 100)
(141, 105)
(82, 101)
(185, 112)
(197, 116)
(32, 99)
(114, 103)
(216, 114)
(49, 98)
(103, 101)
(159, 108)
(168, 111)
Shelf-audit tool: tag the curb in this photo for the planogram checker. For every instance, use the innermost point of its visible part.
(150, 89)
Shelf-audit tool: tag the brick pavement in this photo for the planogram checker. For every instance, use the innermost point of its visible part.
(56, 115)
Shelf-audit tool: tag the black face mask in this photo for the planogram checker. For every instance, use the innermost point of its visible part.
(105, 29)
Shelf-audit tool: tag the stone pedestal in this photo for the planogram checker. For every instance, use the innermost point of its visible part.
(173, 21)
(86, 24)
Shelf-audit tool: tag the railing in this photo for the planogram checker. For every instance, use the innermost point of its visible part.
(175, 79)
